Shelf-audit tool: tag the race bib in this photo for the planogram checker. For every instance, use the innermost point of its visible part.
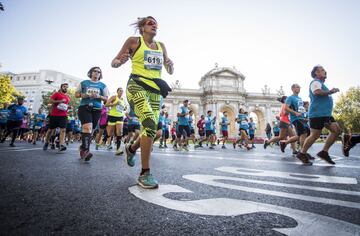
(153, 60)
(62, 107)
(244, 122)
(90, 91)
(301, 109)
(135, 119)
(119, 108)
(37, 127)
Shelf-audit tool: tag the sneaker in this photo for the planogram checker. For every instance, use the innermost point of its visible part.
(345, 139)
(282, 146)
(85, 155)
(211, 147)
(185, 148)
(325, 156)
(52, 146)
(309, 156)
(147, 181)
(97, 146)
(165, 146)
(295, 152)
(304, 159)
(161, 146)
(119, 152)
(11, 145)
(234, 145)
(130, 157)
(176, 148)
(34, 143)
(2, 140)
(253, 146)
(197, 146)
(62, 148)
(109, 147)
(223, 147)
(266, 144)
(45, 147)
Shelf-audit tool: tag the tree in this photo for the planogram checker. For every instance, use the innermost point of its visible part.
(347, 110)
(8, 92)
(74, 102)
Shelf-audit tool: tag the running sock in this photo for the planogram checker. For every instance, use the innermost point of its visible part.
(143, 171)
(118, 142)
(85, 141)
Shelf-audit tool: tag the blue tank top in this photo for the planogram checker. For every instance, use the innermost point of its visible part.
(320, 106)
(90, 87)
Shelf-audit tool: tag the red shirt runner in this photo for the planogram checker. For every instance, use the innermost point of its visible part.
(58, 109)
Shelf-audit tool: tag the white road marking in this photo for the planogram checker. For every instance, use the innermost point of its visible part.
(210, 180)
(308, 223)
(313, 188)
(243, 159)
(288, 175)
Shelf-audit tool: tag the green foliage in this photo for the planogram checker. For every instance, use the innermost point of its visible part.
(8, 93)
(347, 110)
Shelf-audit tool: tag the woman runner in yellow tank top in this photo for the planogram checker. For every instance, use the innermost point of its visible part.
(144, 89)
(116, 113)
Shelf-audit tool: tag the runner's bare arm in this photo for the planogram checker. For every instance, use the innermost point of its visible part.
(169, 65)
(126, 51)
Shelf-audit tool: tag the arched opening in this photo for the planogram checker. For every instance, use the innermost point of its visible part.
(231, 118)
(259, 119)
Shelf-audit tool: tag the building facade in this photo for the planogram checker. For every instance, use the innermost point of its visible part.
(35, 84)
(222, 89)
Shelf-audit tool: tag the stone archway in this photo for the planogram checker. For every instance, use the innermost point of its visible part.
(231, 118)
(261, 121)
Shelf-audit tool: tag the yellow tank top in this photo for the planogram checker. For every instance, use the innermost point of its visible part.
(117, 109)
(148, 62)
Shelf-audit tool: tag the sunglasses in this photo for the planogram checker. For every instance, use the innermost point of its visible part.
(97, 71)
(150, 23)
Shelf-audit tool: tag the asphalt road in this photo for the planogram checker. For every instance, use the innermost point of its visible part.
(202, 192)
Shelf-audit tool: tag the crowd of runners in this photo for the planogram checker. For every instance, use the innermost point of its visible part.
(107, 122)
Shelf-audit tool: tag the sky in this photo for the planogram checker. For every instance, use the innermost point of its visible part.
(272, 42)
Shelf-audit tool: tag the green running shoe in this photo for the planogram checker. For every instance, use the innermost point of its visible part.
(147, 181)
(130, 157)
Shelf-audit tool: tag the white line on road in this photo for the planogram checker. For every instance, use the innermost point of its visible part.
(307, 223)
(213, 181)
(288, 175)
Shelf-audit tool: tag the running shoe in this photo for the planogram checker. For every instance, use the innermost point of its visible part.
(309, 156)
(62, 148)
(165, 146)
(185, 148)
(109, 147)
(130, 157)
(325, 156)
(176, 148)
(97, 146)
(304, 159)
(234, 145)
(119, 152)
(266, 144)
(147, 181)
(34, 143)
(12, 145)
(295, 152)
(223, 147)
(161, 146)
(346, 144)
(52, 146)
(45, 147)
(282, 146)
(85, 155)
(211, 147)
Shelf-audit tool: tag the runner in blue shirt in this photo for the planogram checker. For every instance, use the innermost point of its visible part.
(224, 129)
(242, 119)
(183, 125)
(210, 129)
(320, 115)
(39, 119)
(4, 114)
(15, 118)
(252, 128)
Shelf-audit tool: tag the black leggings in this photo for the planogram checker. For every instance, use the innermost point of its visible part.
(89, 115)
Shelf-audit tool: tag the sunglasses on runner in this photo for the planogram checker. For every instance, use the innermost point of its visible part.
(150, 23)
(97, 71)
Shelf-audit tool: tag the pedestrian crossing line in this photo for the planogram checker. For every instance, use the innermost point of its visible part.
(213, 180)
(242, 159)
(288, 175)
(308, 223)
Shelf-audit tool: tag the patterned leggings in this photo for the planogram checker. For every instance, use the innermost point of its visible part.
(146, 106)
